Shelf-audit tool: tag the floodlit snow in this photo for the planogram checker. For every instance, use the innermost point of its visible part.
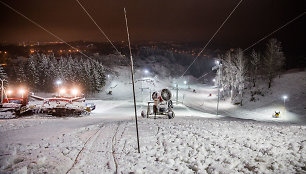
(182, 145)
(239, 140)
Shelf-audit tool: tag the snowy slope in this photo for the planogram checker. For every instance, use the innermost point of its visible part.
(182, 145)
(291, 84)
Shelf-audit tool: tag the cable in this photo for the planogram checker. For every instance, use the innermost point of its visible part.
(203, 75)
(16, 11)
(103, 33)
(274, 31)
(98, 27)
(211, 38)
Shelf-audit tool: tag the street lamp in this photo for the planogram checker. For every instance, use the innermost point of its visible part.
(285, 97)
(59, 82)
(146, 71)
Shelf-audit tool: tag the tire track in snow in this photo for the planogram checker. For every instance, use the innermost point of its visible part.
(79, 153)
(113, 148)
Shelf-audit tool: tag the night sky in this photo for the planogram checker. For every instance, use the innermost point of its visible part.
(155, 20)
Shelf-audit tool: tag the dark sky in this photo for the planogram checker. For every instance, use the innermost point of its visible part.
(158, 20)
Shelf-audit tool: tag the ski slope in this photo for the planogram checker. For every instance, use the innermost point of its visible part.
(239, 140)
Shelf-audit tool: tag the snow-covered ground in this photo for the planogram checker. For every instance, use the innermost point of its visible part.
(93, 144)
(264, 107)
(240, 140)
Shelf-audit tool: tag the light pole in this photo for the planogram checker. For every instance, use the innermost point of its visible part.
(219, 67)
(285, 97)
(58, 83)
(2, 89)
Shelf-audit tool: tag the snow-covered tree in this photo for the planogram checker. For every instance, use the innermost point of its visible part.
(273, 60)
(234, 68)
(255, 67)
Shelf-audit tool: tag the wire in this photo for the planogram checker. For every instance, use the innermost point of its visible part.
(35, 23)
(98, 27)
(203, 75)
(103, 33)
(302, 14)
(211, 38)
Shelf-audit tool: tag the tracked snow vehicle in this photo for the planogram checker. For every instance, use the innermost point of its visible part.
(61, 105)
(13, 102)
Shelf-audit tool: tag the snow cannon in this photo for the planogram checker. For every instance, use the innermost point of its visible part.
(276, 114)
(161, 105)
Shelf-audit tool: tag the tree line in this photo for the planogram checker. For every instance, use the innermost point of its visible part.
(241, 71)
(40, 72)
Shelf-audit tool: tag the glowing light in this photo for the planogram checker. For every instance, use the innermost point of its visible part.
(62, 91)
(146, 71)
(217, 62)
(9, 92)
(21, 91)
(185, 82)
(75, 91)
(285, 97)
(214, 80)
(58, 82)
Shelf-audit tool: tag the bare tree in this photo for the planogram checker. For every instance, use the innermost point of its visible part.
(255, 62)
(273, 60)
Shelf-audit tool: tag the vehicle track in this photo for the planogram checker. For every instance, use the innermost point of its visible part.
(86, 142)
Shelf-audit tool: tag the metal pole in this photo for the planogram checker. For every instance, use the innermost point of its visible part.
(218, 89)
(2, 91)
(176, 93)
(132, 72)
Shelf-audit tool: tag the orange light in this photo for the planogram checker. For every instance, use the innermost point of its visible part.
(9, 92)
(62, 91)
(21, 91)
(75, 91)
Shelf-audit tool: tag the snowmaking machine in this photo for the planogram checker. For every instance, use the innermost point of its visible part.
(161, 105)
(64, 104)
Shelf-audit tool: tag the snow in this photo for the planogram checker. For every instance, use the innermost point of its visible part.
(239, 140)
(181, 145)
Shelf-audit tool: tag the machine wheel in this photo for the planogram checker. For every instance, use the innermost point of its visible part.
(171, 115)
